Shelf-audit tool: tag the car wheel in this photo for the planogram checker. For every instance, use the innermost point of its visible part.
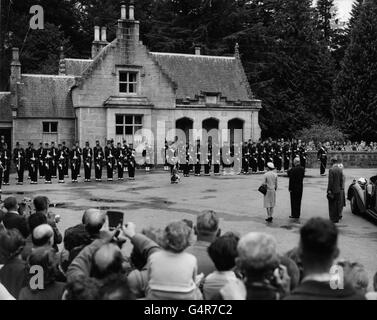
(354, 208)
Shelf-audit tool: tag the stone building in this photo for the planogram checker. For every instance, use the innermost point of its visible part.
(125, 88)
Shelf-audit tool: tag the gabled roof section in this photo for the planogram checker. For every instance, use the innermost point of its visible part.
(195, 74)
(5, 109)
(75, 67)
(46, 96)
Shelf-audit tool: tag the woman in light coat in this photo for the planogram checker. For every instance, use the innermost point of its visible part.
(271, 182)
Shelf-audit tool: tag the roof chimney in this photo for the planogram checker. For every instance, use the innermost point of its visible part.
(62, 69)
(97, 33)
(103, 34)
(197, 51)
(131, 11)
(123, 12)
(15, 67)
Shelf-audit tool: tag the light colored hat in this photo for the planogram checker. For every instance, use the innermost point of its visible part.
(270, 165)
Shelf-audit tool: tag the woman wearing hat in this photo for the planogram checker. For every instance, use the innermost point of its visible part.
(271, 182)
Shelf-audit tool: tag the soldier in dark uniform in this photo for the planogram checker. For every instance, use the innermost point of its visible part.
(87, 156)
(79, 155)
(119, 156)
(261, 160)
(74, 161)
(131, 162)
(47, 160)
(302, 154)
(254, 158)
(208, 158)
(41, 167)
(2, 143)
(294, 150)
(110, 161)
(27, 159)
(19, 162)
(66, 156)
(245, 158)
(125, 152)
(54, 155)
(98, 161)
(278, 156)
(7, 157)
(61, 163)
(33, 165)
(286, 156)
(216, 158)
(198, 165)
(322, 157)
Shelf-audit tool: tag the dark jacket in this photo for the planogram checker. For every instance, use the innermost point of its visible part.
(296, 178)
(52, 291)
(200, 250)
(336, 180)
(315, 290)
(12, 220)
(14, 275)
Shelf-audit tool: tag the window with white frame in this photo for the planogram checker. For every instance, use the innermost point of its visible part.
(50, 127)
(127, 82)
(128, 125)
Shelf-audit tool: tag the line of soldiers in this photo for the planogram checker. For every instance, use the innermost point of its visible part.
(246, 158)
(49, 162)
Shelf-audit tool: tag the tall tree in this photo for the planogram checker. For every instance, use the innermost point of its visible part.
(356, 85)
(326, 13)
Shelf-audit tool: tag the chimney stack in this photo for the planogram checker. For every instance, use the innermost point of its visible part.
(197, 51)
(131, 11)
(103, 34)
(96, 33)
(15, 66)
(62, 69)
(123, 12)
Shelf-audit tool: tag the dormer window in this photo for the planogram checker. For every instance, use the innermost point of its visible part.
(127, 82)
(211, 99)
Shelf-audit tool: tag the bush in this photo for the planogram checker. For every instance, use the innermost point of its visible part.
(321, 133)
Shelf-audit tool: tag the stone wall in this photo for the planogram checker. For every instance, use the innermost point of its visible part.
(352, 159)
(25, 130)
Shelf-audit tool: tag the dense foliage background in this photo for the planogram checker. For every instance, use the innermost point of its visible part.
(304, 70)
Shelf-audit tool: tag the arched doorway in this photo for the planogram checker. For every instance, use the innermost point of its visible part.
(235, 127)
(210, 128)
(185, 124)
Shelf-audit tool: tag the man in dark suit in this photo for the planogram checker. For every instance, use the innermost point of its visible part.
(318, 248)
(335, 191)
(12, 219)
(296, 176)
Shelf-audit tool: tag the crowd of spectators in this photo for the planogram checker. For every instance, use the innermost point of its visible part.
(361, 146)
(184, 261)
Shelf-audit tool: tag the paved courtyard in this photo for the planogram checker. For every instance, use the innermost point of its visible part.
(152, 201)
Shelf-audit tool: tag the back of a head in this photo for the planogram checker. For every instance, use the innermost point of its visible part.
(107, 260)
(10, 203)
(115, 287)
(93, 219)
(207, 224)
(11, 244)
(42, 235)
(318, 241)
(358, 278)
(36, 220)
(40, 203)
(47, 259)
(176, 237)
(223, 252)
(83, 288)
(257, 254)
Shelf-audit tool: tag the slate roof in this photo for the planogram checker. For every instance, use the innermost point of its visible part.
(195, 74)
(76, 67)
(46, 96)
(5, 109)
